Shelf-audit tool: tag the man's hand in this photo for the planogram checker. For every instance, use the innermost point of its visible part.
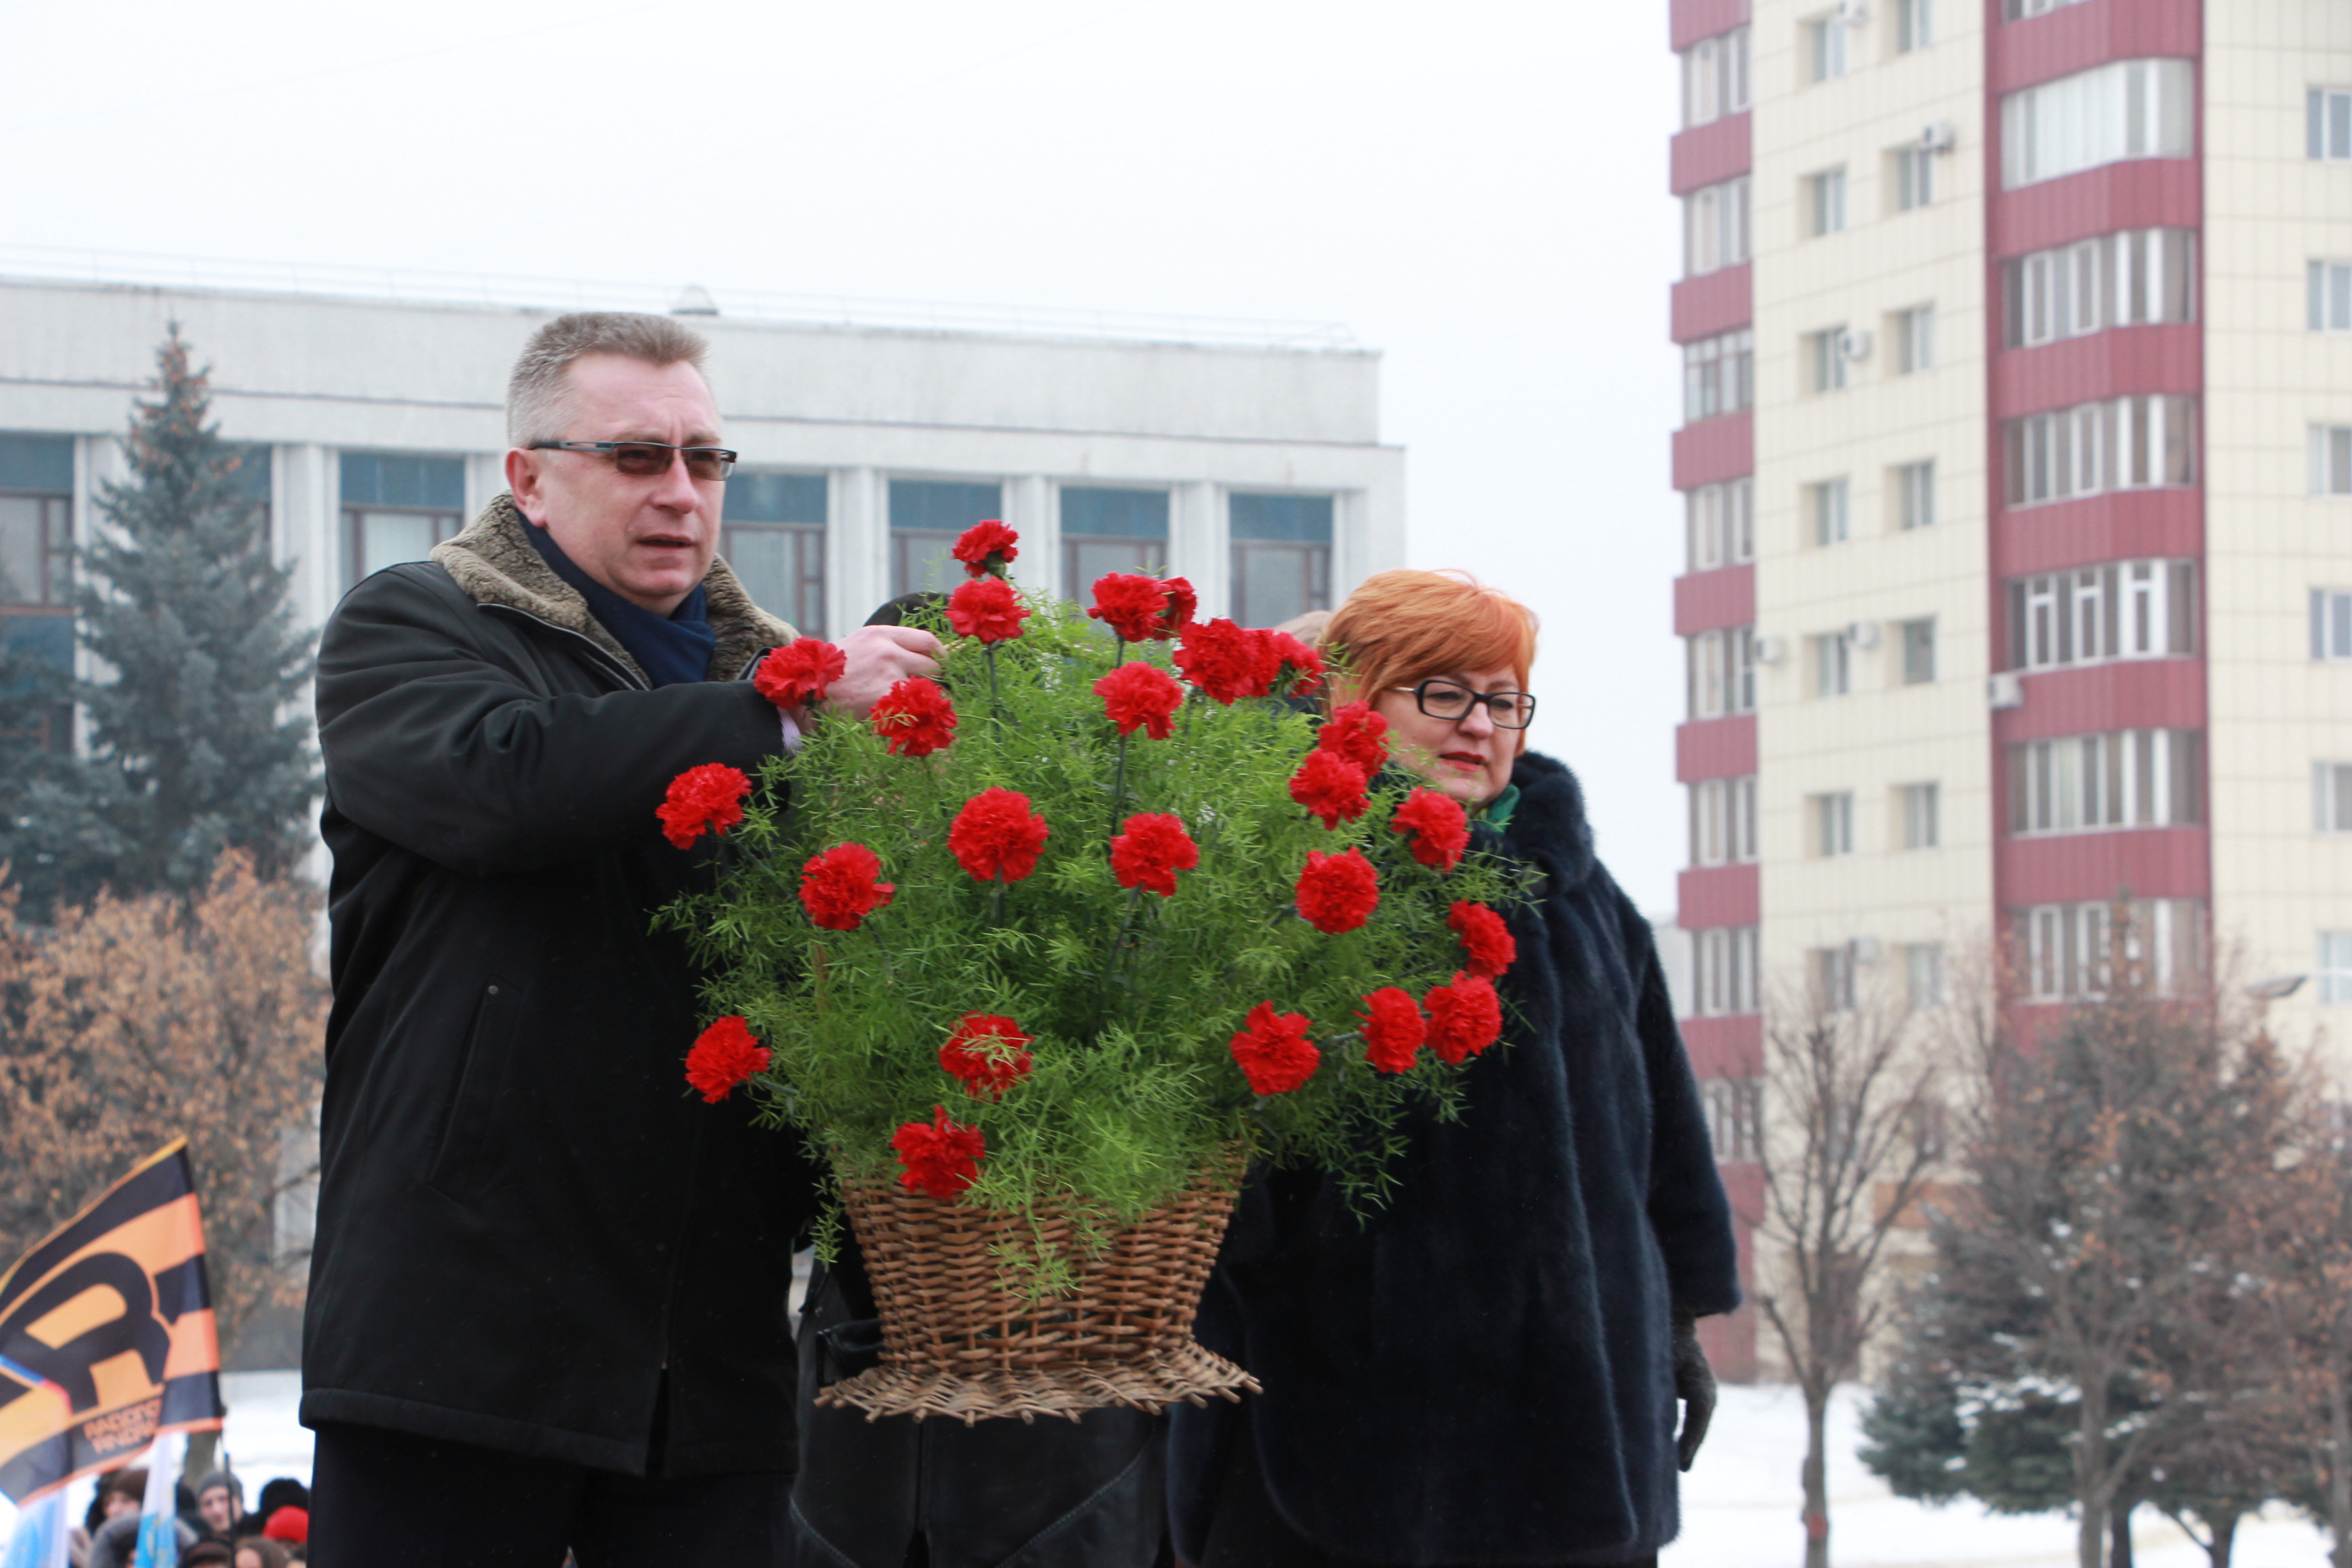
(1694, 1385)
(878, 656)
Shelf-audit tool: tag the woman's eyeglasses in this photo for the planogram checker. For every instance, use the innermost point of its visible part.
(1451, 701)
(643, 459)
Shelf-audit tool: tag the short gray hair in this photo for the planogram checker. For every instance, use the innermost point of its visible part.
(542, 378)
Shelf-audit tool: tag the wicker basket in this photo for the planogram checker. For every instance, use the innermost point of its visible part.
(956, 1341)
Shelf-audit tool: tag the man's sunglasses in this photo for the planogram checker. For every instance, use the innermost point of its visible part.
(1444, 699)
(643, 459)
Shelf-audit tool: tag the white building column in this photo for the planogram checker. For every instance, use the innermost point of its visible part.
(486, 479)
(856, 548)
(1200, 544)
(1033, 510)
(304, 499)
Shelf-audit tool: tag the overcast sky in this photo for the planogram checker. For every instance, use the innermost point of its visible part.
(1477, 189)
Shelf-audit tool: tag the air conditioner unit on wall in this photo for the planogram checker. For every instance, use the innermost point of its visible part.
(1941, 137)
(1772, 649)
(2006, 690)
(1865, 949)
(1855, 344)
(1863, 634)
(1853, 13)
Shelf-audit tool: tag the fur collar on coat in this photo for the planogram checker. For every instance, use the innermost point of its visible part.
(495, 562)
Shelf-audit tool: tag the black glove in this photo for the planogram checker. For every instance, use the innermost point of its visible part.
(1694, 1387)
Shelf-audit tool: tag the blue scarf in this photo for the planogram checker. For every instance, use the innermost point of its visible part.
(670, 648)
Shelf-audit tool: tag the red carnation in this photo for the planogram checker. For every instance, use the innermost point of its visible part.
(1183, 604)
(839, 888)
(707, 797)
(997, 835)
(1154, 847)
(942, 1157)
(1274, 1053)
(915, 717)
(790, 675)
(724, 1056)
(1292, 668)
(1130, 605)
(1140, 694)
(1485, 937)
(1464, 1017)
(1222, 661)
(987, 1053)
(986, 609)
(1329, 786)
(1441, 831)
(986, 547)
(1337, 892)
(1359, 734)
(1394, 1029)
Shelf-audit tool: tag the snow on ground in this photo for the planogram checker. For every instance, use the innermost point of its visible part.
(1739, 1506)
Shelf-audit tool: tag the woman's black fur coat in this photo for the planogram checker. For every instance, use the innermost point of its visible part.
(1480, 1373)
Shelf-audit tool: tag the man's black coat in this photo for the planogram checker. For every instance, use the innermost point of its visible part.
(1482, 1370)
(526, 1219)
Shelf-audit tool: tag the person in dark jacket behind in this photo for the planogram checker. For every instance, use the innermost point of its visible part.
(548, 1295)
(1487, 1370)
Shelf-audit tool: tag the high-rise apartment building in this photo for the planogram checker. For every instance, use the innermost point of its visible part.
(2017, 461)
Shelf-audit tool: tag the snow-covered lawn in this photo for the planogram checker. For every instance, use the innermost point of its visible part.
(1739, 1507)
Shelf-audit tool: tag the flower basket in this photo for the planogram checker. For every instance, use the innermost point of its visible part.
(1041, 954)
(958, 1340)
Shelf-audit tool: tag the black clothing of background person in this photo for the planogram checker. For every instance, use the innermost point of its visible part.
(528, 1223)
(1482, 1370)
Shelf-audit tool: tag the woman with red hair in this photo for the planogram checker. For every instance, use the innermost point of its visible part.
(1488, 1369)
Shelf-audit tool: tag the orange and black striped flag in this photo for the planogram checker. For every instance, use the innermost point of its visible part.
(106, 1333)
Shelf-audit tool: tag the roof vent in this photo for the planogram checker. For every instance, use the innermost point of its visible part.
(693, 299)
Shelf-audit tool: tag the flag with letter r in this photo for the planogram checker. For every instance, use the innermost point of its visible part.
(106, 1333)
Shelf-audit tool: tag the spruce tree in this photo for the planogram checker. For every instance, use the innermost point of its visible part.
(197, 743)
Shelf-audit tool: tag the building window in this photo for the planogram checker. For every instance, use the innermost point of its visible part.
(1105, 530)
(1723, 963)
(773, 537)
(926, 516)
(1914, 177)
(1828, 509)
(396, 507)
(2137, 277)
(2329, 114)
(2334, 966)
(1825, 202)
(2017, 10)
(1825, 48)
(2126, 609)
(1722, 672)
(2069, 950)
(1282, 557)
(2331, 624)
(1831, 971)
(1735, 1117)
(2124, 778)
(1723, 821)
(2124, 443)
(1722, 521)
(1718, 375)
(1918, 806)
(1914, 339)
(1833, 664)
(1918, 639)
(2331, 797)
(2129, 109)
(1915, 25)
(1826, 356)
(1915, 495)
(37, 622)
(2331, 460)
(1923, 975)
(1715, 78)
(1715, 228)
(2331, 297)
(1833, 823)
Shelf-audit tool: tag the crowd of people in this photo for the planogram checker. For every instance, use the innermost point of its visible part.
(214, 1527)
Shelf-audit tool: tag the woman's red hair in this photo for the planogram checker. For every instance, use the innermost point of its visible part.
(1399, 628)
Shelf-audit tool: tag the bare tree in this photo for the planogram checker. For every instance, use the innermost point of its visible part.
(1851, 1122)
(2312, 1263)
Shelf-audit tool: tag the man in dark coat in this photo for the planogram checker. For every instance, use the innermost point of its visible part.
(548, 1297)
(1487, 1370)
